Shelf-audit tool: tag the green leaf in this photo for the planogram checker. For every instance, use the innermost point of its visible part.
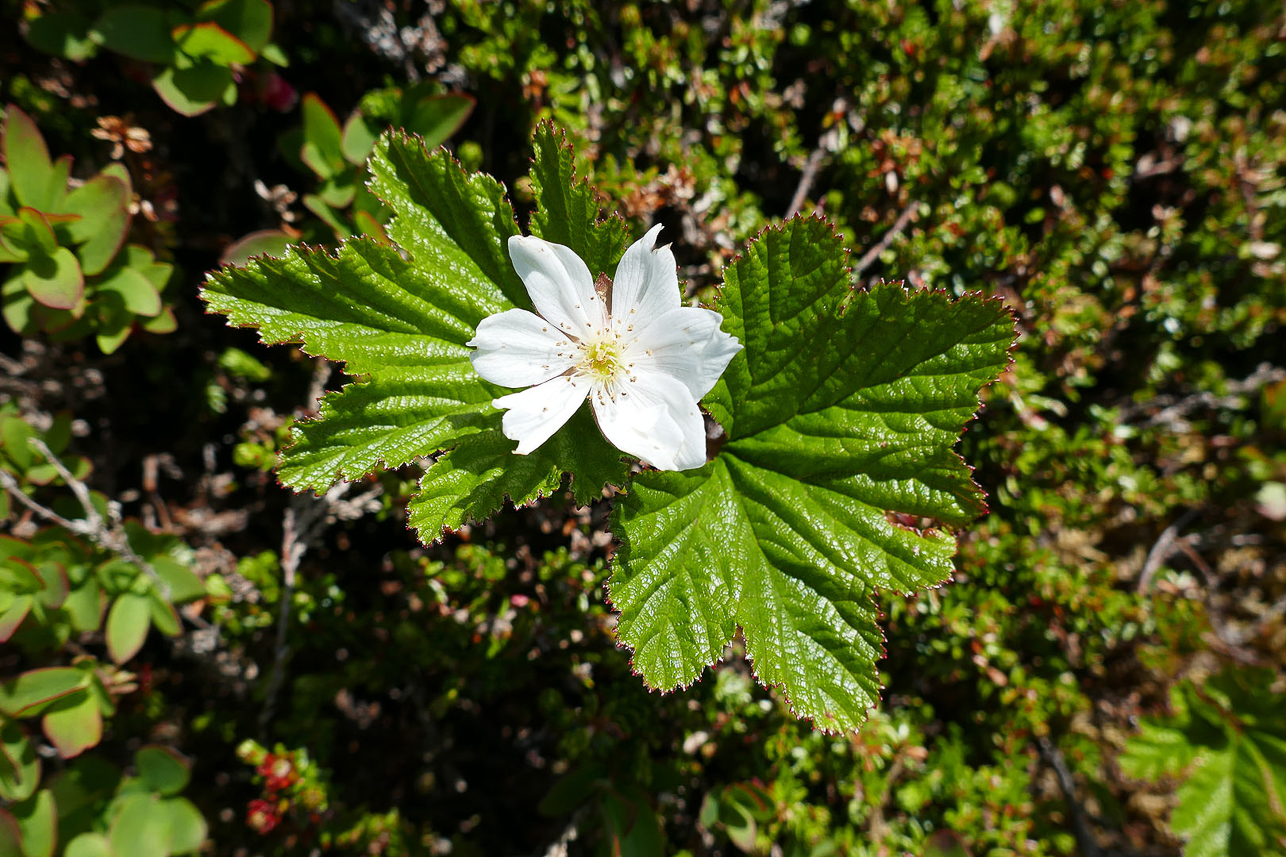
(402, 325)
(194, 90)
(207, 40)
(164, 617)
(163, 770)
(26, 158)
(54, 280)
(474, 479)
(163, 322)
(184, 585)
(54, 584)
(37, 231)
(1231, 734)
(12, 616)
(566, 208)
(141, 259)
(73, 724)
(19, 764)
(138, 32)
(446, 217)
(103, 206)
(64, 34)
(84, 606)
(141, 828)
(37, 820)
(248, 20)
(127, 624)
(28, 693)
(266, 242)
(89, 845)
(136, 292)
(188, 828)
(358, 139)
(323, 148)
(436, 118)
(843, 408)
(56, 192)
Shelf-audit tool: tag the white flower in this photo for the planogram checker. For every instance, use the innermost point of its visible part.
(643, 359)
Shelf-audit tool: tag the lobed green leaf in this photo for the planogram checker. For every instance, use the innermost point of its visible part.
(841, 413)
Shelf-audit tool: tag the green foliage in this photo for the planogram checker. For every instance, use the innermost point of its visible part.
(336, 157)
(71, 273)
(850, 434)
(197, 49)
(24, 463)
(1227, 738)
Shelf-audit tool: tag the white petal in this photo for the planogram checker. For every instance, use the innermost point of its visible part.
(646, 282)
(657, 419)
(559, 283)
(534, 414)
(517, 348)
(687, 344)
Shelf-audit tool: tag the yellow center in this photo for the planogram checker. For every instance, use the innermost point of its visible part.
(601, 359)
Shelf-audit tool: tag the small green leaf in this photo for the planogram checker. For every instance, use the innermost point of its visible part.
(164, 617)
(273, 53)
(26, 158)
(19, 764)
(127, 624)
(163, 770)
(64, 34)
(89, 845)
(112, 334)
(56, 192)
(18, 306)
(163, 322)
(207, 40)
(266, 242)
(436, 118)
(141, 828)
(56, 280)
(29, 693)
(84, 606)
(566, 208)
(73, 724)
(318, 206)
(323, 149)
(184, 585)
(194, 90)
(358, 139)
(103, 206)
(141, 260)
(139, 32)
(137, 294)
(843, 408)
(37, 820)
(12, 617)
(39, 233)
(54, 584)
(188, 827)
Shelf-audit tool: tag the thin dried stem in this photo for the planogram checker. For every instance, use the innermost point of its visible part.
(895, 230)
